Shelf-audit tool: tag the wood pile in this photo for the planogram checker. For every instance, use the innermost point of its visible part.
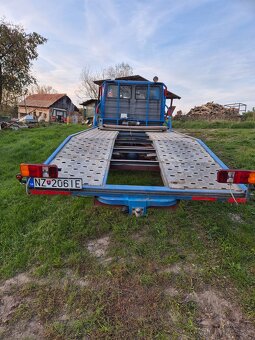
(209, 111)
(12, 126)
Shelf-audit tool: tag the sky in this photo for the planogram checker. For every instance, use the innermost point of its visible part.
(203, 50)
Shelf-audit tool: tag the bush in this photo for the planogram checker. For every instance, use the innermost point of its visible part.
(202, 124)
(250, 115)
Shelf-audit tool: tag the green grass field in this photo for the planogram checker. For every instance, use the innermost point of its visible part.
(70, 270)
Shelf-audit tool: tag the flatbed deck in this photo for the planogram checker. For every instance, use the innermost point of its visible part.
(87, 156)
(185, 163)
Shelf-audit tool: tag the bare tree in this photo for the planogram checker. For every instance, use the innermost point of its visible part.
(41, 89)
(88, 89)
(119, 70)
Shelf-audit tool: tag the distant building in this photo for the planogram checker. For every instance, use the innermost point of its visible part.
(48, 107)
(89, 107)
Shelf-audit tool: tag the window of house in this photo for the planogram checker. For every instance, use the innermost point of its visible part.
(141, 92)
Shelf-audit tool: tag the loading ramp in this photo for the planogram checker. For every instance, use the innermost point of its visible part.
(185, 163)
(87, 156)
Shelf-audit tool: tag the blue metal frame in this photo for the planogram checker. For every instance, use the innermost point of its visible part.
(163, 103)
(147, 105)
(152, 188)
(140, 120)
(143, 197)
(129, 82)
(133, 202)
(118, 103)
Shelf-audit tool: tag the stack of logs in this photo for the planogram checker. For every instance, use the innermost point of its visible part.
(209, 111)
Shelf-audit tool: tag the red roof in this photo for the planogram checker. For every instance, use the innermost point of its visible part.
(41, 100)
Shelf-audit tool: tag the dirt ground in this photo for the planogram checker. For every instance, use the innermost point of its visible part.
(217, 317)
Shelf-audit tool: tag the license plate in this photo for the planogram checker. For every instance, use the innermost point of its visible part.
(58, 183)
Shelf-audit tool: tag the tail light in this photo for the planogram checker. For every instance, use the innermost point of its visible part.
(38, 170)
(236, 176)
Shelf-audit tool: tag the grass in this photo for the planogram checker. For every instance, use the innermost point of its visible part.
(220, 124)
(212, 244)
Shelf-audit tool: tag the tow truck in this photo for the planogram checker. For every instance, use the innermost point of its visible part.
(132, 131)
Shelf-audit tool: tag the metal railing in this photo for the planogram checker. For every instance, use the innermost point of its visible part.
(242, 108)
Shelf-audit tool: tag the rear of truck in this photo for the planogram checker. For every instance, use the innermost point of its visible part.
(132, 132)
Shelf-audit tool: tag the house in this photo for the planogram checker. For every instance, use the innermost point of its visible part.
(90, 105)
(55, 107)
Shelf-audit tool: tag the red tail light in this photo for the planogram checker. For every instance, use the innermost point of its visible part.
(38, 170)
(236, 176)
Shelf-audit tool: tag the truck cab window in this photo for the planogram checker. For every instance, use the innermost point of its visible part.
(141, 92)
(154, 93)
(112, 91)
(125, 92)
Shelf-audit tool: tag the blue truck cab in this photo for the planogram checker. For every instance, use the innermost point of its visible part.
(131, 103)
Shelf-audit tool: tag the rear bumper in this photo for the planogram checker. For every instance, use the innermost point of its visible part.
(146, 193)
(138, 199)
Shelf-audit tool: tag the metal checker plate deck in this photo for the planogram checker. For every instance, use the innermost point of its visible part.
(185, 164)
(87, 156)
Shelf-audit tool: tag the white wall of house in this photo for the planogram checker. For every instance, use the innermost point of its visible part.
(39, 113)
